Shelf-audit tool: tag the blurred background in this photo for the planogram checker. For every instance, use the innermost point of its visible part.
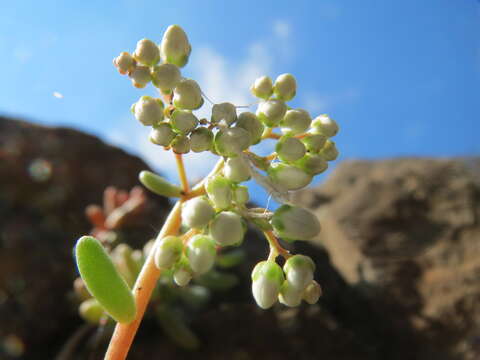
(399, 254)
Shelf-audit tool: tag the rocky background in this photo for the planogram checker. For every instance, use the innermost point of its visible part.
(398, 259)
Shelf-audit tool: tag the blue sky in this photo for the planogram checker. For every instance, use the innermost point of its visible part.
(400, 77)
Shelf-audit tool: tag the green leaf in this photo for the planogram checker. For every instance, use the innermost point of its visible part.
(158, 185)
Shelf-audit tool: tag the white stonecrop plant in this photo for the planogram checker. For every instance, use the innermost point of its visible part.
(218, 216)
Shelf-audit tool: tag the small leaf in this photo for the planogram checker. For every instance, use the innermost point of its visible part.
(158, 185)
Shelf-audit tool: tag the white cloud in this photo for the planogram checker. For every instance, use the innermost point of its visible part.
(281, 29)
(317, 103)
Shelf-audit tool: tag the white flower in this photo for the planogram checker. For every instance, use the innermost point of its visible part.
(227, 228)
(175, 48)
(299, 271)
(267, 278)
(295, 223)
(201, 253)
(168, 251)
(197, 213)
(148, 111)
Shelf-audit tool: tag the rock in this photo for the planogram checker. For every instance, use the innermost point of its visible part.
(405, 233)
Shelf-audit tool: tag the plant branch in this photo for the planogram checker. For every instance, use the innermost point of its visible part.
(275, 247)
(181, 173)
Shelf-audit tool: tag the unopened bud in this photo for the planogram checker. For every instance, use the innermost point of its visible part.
(159, 185)
(314, 142)
(324, 125)
(271, 112)
(187, 95)
(312, 163)
(182, 273)
(165, 77)
(183, 121)
(197, 213)
(288, 177)
(267, 278)
(124, 63)
(290, 149)
(249, 122)
(227, 228)
(140, 76)
(219, 190)
(299, 271)
(162, 134)
(295, 223)
(237, 169)
(224, 112)
(201, 139)
(148, 111)
(285, 87)
(312, 293)
(329, 151)
(262, 87)
(181, 144)
(147, 52)
(91, 311)
(231, 141)
(295, 121)
(240, 195)
(201, 253)
(175, 48)
(289, 295)
(168, 251)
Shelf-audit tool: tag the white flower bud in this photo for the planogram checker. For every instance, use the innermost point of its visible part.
(240, 195)
(267, 278)
(162, 134)
(296, 121)
(165, 77)
(148, 111)
(187, 95)
(314, 142)
(312, 293)
(249, 122)
(288, 177)
(236, 169)
(290, 149)
(147, 52)
(324, 125)
(271, 112)
(262, 87)
(312, 163)
(197, 213)
(181, 144)
(329, 151)
(299, 271)
(140, 76)
(201, 253)
(224, 112)
(168, 251)
(201, 139)
(231, 141)
(227, 228)
(219, 190)
(182, 273)
(295, 223)
(285, 87)
(175, 48)
(183, 121)
(124, 63)
(289, 295)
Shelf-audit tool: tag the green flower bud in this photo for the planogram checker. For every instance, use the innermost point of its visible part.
(181, 144)
(162, 134)
(329, 151)
(148, 111)
(201, 253)
(296, 121)
(168, 252)
(124, 63)
(165, 77)
(288, 177)
(91, 311)
(250, 123)
(175, 48)
(299, 271)
(271, 112)
(187, 95)
(314, 142)
(103, 280)
(262, 87)
(183, 121)
(219, 190)
(290, 149)
(224, 111)
(312, 163)
(324, 125)
(312, 293)
(147, 52)
(159, 185)
(267, 278)
(227, 228)
(197, 213)
(285, 87)
(240, 195)
(237, 169)
(182, 273)
(289, 295)
(231, 141)
(201, 139)
(140, 76)
(295, 223)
